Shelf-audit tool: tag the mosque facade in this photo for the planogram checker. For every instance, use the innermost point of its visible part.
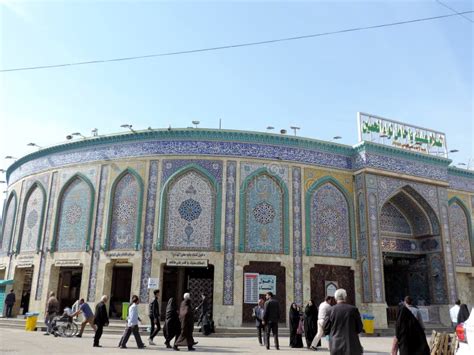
(233, 214)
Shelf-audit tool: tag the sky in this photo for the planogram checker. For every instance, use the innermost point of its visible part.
(419, 73)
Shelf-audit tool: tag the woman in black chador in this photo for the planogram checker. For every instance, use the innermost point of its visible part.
(186, 317)
(410, 334)
(310, 322)
(172, 328)
(463, 314)
(296, 340)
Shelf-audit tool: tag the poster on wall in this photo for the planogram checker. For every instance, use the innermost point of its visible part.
(250, 288)
(153, 283)
(267, 283)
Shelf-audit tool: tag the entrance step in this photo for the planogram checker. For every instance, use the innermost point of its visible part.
(116, 327)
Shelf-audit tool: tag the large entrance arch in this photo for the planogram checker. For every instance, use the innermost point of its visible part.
(412, 251)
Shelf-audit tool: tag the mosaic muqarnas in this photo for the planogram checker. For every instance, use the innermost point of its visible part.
(198, 209)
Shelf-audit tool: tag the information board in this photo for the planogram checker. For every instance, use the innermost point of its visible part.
(267, 283)
(250, 288)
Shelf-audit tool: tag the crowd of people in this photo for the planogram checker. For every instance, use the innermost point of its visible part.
(179, 322)
(334, 318)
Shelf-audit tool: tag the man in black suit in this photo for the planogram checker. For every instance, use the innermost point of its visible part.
(101, 319)
(343, 325)
(154, 313)
(271, 316)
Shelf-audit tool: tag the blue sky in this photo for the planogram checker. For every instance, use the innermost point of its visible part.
(419, 73)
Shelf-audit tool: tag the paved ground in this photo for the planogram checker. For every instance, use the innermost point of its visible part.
(20, 342)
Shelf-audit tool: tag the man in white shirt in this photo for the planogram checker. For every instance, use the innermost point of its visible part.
(453, 313)
(132, 325)
(323, 309)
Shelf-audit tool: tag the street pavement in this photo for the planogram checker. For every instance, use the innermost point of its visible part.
(17, 341)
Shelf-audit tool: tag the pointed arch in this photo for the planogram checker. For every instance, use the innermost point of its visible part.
(459, 227)
(133, 227)
(331, 181)
(75, 215)
(32, 219)
(420, 203)
(284, 212)
(216, 197)
(9, 222)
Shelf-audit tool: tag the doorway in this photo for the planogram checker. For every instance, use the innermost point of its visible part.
(179, 280)
(121, 289)
(270, 268)
(69, 287)
(325, 279)
(23, 280)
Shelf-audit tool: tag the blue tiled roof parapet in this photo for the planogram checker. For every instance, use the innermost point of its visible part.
(231, 143)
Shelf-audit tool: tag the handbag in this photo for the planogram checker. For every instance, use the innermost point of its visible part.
(300, 329)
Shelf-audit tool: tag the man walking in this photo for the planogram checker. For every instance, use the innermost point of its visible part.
(101, 319)
(257, 313)
(323, 310)
(271, 316)
(86, 310)
(132, 325)
(154, 317)
(343, 325)
(453, 313)
(10, 302)
(52, 309)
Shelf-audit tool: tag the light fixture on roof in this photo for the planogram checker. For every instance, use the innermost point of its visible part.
(195, 123)
(2, 170)
(294, 128)
(454, 151)
(129, 126)
(462, 164)
(270, 128)
(2, 182)
(283, 131)
(10, 157)
(95, 132)
(335, 138)
(34, 145)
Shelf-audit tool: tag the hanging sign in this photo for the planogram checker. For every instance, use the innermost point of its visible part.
(153, 283)
(398, 134)
(250, 288)
(267, 283)
(187, 263)
(68, 262)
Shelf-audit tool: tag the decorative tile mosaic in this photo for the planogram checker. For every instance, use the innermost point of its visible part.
(98, 234)
(393, 221)
(297, 238)
(388, 186)
(472, 202)
(418, 219)
(213, 167)
(438, 281)
(190, 212)
(32, 220)
(461, 183)
(9, 223)
(125, 213)
(376, 259)
(460, 239)
(399, 165)
(264, 227)
(47, 229)
(367, 294)
(74, 216)
(277, 169)
(147, 250)
(229, 239)
(411, 245)
(186, 148)
(448, 256)
(330, 228)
